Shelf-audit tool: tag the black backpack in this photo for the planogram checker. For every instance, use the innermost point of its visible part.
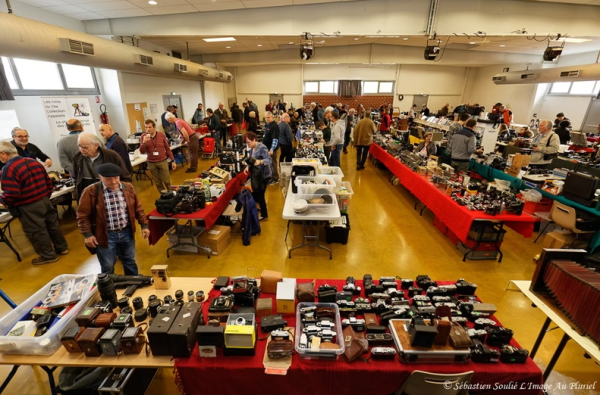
(166, 204)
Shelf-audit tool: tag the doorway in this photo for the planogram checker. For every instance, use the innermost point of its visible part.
(174, 100)
(275, 98)
(419, 100)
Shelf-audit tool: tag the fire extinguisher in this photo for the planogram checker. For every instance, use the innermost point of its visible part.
(104, 114)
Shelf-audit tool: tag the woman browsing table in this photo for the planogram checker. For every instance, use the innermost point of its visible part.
(427, 147)
(259, 169)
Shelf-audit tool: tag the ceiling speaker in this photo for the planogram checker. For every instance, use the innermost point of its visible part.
(431, 52)
(552, 53)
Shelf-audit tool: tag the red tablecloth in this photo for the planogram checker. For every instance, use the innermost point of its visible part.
(456, 217)
(209, 214)
(225, 375)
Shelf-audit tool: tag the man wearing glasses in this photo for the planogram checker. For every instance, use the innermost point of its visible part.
(27, 150)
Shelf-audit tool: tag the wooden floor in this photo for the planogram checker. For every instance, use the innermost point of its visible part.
(387, 238)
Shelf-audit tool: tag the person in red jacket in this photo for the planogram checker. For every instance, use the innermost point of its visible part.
(386, 121)
(156, 146)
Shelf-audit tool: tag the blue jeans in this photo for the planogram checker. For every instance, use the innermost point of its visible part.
(121, 244)
(334, 159)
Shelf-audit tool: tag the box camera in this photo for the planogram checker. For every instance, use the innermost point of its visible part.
(510, 354)
(498, 336)
(482, 354)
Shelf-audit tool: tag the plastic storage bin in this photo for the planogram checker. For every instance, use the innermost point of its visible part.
(316, 207)
(309, 185)
(344, 196)
(48, 343)
(334, 172)
(307, 353)
(338, 234)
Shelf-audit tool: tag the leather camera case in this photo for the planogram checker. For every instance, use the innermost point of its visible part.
(104, 320)
(354, 346)
(133, 340)
(87, 316)
(443, 328)
(280, 348)
(305, 292)
(459, 337)
(88, 341)
(69, 339)
(373, 324)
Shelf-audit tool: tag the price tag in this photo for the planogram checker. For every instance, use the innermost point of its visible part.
(186, 315)
(165, 319)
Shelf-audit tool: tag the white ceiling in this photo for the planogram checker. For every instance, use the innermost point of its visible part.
(101, 9)
(511, 44)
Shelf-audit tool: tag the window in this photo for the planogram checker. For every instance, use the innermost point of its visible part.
(320, 87)
(35, 78)
(370, 87)
(12, 82)
(311, 87)
(377, 87)
(78, 76)
(581, 88)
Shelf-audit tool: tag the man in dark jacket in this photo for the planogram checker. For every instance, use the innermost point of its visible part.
(116, 143)
(106, 217)
(246, 112)
(564, 132)
(25, 149)
(214, 126)
(223, 115)
(286, 138)
(464, 145)
(271, 141)
(349, 125)
(238, 117)
(89, 158)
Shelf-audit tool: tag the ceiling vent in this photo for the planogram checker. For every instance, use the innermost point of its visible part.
(203, 72)
(221, 75)
(76, 47)
(181, 68)
(229, 77)
(529, 76)
(572, 73)
(499, 79)
(144, 60)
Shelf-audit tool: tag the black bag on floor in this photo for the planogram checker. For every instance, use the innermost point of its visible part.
(81, 381)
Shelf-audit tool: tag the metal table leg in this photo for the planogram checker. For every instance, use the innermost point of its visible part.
(540, 337)
(307, 237)
(50, 372)
(4, 239)
(192, 241)
(9, 378)
(559, 350)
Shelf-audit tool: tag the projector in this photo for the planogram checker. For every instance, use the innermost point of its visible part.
(431, 52)
(552, 53)
(307, 51)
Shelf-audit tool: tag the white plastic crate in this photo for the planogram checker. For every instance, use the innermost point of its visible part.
(315, 207)
(48, 343)
(333, 172)
(309, 185)
(307, 353)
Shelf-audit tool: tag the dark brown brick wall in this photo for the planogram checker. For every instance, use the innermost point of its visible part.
(352, 101)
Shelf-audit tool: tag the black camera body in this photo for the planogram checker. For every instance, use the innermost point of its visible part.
(482, 354)
(510, 354)
(221, 304)
(498, 336)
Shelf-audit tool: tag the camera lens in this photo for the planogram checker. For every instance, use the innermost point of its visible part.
(153, 306)
(140, 315)
(151, 298)
(179, 294)
(126, 310)
(200, 296)
(123, 302)
(190, 296)
(168, 299)
(137, 303)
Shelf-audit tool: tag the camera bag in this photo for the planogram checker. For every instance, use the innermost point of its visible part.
(166, 204)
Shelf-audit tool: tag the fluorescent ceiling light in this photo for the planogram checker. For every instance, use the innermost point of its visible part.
(405, 38)
(152, 2)
(291, 42)
(502, 45)
(259, 45)
(228, 47)
(472, 42)
(383, 36)
(356, 38)
(576, 40)
(218, 39)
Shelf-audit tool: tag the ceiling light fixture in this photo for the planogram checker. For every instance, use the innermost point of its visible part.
(576, 40)
(228, 47)
(291, 43)
(405, 38)
(472, 42)
(502, 45)
(152, 2)
(218, 39)
(356, 39)
(307, 49)
(259, 45)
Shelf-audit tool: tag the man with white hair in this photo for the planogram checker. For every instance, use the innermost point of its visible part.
(67, 146)
(26, 192)
(90, 156)
(221, 112)
(546, 144)
(191, 137)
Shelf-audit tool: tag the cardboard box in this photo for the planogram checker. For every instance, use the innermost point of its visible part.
(219, 176)
(286, 296)
(217, 239)
(558, 239)
(521, 160)
(269, 280)
(264, 307)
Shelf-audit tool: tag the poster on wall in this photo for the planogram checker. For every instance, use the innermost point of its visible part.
(60, 109)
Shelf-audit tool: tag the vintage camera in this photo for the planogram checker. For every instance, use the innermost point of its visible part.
(424, 282)
(478, 334)
(484, 323)
(510, 354)
(441, 299)
(421, 335)
(221, 304)
(414, 291)
(351, 286)
(482, 354)
(327, 287)
(356, 323)
(460, 320)
(406, 283)
(498, 336)
(383, 352)
(380, 305)
(399, 301)
(465, 288)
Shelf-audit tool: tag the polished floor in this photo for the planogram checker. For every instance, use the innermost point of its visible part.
(387, 237)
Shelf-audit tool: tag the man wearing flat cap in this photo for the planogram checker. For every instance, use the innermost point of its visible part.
(106, 217)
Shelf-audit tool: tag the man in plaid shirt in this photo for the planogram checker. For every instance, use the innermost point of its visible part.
(106, 217)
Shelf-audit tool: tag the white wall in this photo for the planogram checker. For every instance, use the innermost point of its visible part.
(110, 88)
(575, 108)
(519, 98)
(138, 88)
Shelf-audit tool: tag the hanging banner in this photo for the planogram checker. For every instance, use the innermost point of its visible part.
(60, 109)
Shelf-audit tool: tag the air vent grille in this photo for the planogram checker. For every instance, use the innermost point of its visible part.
(527, 76)
(572, 73)
(502, 78)
(144, 60)
(76, 47)
(182, 68)
(203, 72)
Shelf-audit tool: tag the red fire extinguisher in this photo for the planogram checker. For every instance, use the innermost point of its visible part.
(104, 114)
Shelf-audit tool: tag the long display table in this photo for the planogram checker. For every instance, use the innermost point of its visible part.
(225, 375)
(457, 218)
